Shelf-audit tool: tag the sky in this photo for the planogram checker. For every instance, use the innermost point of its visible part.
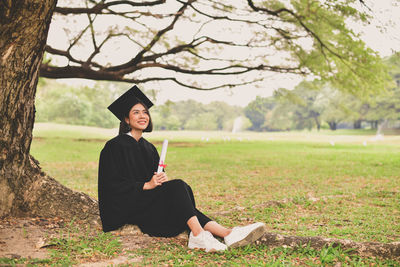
(382, 35)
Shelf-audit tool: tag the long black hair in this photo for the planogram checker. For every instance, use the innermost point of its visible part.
(124, 127)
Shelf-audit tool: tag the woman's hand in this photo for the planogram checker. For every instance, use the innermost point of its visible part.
(157, 180)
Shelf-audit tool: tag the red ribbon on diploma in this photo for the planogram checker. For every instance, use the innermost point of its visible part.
(162, 164)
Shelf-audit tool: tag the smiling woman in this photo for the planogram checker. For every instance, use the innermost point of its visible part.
(136, 121)
(132, 192)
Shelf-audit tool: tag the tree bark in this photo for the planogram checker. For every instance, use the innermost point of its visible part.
(24, 188)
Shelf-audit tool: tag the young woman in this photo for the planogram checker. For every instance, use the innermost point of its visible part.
(131, 192)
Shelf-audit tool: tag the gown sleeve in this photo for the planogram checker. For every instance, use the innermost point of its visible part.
(112, 177)
(118, 193)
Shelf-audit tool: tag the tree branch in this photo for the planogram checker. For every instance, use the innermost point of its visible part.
(262, 33)
(225, 71)
(160, 33)
(99, 7)
(307, 29)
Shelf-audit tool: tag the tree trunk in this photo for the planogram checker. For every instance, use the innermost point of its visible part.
(357, 124)
(332, 125)
(24, 188)
(374, 124)
(318, 123)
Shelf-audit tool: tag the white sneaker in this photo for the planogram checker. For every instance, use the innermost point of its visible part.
(205, 240)
(244, 235)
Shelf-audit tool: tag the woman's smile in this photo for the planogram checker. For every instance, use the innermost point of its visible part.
(143, 123)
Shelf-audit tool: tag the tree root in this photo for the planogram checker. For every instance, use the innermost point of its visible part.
(365, 249)
(47, 198)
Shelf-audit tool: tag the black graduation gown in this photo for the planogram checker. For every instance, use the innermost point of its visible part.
(124, 166)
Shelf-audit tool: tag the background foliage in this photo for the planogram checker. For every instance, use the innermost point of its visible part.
(312, 104)
(316, 104)
(61, 103)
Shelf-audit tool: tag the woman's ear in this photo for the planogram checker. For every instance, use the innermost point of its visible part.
(127, 120)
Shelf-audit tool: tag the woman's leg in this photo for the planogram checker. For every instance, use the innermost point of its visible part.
(169, 209)
(212, 226)
(194, 225)
(183, 203)
(217, 229)
(201, 219)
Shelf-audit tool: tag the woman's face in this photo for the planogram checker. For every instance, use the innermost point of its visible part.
(138, 118)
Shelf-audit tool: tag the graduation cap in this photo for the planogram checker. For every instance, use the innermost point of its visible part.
(125, 102)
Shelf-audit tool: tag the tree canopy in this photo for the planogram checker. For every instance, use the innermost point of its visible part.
(209, 44)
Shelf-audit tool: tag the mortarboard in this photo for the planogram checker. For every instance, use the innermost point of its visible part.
(125, 102)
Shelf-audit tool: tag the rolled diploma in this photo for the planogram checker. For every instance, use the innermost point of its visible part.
(162, 157)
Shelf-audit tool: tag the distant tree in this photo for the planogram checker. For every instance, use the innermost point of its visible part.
(185, 110)
(223, 112)
(280, 118)
(256, 110)
(357, 109)
(171, 122)
(100, 95)
(205, 121)
(335, 109)
(385, 107)
(58, 102)
(304, 102)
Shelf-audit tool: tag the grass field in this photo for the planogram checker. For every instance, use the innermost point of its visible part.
(344, 184)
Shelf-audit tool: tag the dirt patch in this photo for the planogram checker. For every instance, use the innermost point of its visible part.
(21, 238)
(29, 238)
(121, 260)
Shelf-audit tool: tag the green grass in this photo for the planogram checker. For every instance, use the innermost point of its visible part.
(175, 254)
(73, 246)
(348, 190)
